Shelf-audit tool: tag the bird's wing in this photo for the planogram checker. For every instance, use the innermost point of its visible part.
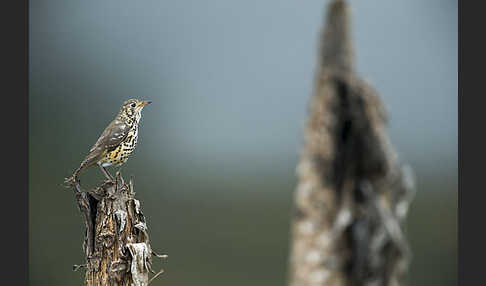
(111, 137)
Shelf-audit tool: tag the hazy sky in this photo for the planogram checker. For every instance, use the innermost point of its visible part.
(231, 80)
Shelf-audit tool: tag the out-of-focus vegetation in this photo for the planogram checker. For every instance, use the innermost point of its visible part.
(222, 236)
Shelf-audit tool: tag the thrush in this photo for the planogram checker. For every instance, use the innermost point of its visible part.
(117, 141)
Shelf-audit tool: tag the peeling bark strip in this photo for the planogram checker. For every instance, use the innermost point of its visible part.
(353, 193)
(116, 244)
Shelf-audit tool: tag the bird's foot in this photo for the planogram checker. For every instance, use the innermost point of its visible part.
(107, 174)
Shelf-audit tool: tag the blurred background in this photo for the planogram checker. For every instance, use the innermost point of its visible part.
(215, 164)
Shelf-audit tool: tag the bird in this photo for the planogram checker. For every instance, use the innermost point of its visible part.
(117, 141)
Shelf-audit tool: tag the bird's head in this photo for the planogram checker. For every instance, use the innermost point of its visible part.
(132, 109)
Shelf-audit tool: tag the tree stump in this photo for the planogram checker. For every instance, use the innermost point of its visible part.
(353, 193)
(116, 245)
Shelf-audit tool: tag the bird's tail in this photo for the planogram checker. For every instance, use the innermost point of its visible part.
(89, 161)
(70, 181)
(73, 180)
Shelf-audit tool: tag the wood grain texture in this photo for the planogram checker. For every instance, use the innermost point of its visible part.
(116, 245)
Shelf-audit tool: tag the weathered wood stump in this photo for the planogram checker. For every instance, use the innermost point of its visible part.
(116, 244)
(353, 193)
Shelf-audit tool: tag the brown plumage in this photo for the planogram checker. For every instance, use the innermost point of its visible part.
(117, 141)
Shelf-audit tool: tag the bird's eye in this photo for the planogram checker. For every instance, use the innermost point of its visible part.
(133, 105)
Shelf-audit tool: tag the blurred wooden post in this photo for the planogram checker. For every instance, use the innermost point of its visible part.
(116, 245)
(353, 194)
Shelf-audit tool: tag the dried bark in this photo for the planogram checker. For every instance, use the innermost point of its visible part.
(116, 244)
(353, 192)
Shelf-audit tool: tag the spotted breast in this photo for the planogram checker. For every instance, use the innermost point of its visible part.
(120, 154)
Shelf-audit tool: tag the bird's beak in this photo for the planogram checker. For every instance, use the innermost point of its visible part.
(145, 103)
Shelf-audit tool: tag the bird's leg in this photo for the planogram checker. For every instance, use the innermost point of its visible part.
(107, 174)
